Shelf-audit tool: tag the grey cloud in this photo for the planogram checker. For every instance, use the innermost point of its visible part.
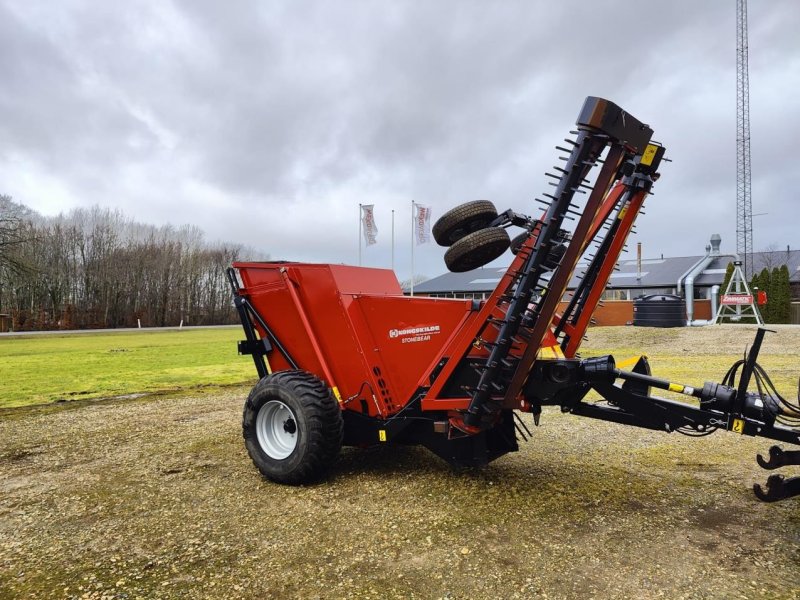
(239, 118)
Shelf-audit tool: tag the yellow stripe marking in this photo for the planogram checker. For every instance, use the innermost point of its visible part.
(554, 353)
(628, 362)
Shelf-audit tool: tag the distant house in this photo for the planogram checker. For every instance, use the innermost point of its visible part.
(634, 279)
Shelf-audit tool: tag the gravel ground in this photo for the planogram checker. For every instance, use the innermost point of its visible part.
(157, 498)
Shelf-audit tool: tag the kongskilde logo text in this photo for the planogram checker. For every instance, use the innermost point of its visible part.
(414, 334)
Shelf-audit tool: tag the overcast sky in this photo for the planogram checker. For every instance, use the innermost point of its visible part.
(267, 122)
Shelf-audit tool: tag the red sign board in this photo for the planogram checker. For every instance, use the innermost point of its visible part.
(736, 299)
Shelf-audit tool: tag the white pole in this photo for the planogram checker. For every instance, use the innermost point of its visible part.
(412, 247)
(359, 234)
(392, 239)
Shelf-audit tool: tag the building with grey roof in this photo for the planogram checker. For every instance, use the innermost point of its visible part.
(634, 278)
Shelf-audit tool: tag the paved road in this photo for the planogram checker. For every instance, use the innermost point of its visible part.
(119, 330)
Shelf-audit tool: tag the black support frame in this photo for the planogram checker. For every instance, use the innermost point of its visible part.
(254, 345)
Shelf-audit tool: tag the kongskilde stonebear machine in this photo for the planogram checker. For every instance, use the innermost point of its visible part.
(345, 358)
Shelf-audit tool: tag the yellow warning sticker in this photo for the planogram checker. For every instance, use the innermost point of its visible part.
(382, 435)
(674, 387)
(550, 353)
(648, 155)
(336, 393)
(738, 426)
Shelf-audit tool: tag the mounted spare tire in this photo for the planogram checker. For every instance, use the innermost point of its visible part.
(518, 240)
(292, 427)
(476, 249)
(461, 220)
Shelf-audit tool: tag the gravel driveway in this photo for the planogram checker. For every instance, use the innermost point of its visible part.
(156, 498)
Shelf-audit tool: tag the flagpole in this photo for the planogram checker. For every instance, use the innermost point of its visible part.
(359, 234)
(412, 247)
(392, 239)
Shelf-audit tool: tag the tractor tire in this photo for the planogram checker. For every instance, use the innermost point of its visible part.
(554, 256)
(476, 249)
(292, 427)
(518, 240)
(461, 220)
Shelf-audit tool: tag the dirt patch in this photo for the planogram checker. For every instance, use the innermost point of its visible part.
(156, 498)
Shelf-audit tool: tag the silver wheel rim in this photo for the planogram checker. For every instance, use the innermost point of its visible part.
(276, 429)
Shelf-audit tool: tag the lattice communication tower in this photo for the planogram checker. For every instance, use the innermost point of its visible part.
(744, 204)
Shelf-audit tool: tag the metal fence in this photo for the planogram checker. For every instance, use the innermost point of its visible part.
(794, 316)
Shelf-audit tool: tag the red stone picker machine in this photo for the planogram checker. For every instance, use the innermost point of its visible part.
(345, 358)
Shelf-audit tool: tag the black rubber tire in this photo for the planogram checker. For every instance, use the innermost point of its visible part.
(461, 220)
(554, 257)
(317, 420)
(518, 240)
(476, 249)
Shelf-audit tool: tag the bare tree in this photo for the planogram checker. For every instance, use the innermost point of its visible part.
(418, 278)
(13, 233)
(95, 268)
(770, 257)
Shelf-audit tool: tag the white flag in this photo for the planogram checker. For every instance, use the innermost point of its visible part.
(368, 224)
(422, 224)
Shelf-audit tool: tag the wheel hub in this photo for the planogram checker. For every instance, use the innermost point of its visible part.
(276, 430)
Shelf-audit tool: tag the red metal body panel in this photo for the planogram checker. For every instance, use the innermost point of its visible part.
(408, 336)
(353, 327)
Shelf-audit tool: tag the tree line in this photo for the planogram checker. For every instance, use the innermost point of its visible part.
(95, 268)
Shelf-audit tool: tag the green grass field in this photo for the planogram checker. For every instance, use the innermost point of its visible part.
(50, 368)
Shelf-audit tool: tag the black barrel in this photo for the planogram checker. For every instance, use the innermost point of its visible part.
(659, 310)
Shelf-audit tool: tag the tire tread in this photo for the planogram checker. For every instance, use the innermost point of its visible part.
(476, 249)
(462, 220)
(322, 414)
